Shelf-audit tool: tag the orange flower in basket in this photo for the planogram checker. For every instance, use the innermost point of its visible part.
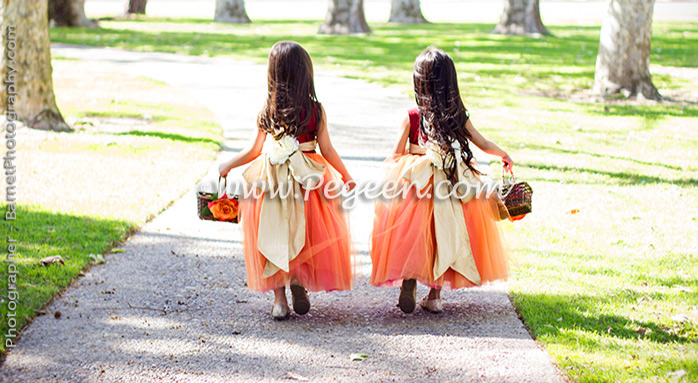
(224, 208)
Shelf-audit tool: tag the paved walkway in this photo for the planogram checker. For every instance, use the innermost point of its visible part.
(173, 307)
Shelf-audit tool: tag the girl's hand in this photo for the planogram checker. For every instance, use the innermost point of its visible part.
(349, 183)
(223, 170)
(508, 163)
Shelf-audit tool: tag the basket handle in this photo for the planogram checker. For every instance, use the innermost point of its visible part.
(225, 185)
(511, 179)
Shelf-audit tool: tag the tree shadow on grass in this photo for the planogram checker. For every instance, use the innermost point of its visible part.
(123, 114)
(172, 136)
(600, 155)
(551, 314)
(621, 178)
(650, 112)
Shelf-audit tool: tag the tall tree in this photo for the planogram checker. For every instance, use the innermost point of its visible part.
(69, 13)
(406, 11)
(26, 65)
(623, 61)
(344, 17)
(136, 7)
(231, 11)
(521, 17)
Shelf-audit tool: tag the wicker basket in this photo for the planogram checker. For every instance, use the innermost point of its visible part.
(518, 197)
(203, 198)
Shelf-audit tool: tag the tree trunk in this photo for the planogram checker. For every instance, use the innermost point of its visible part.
(136, 7)
(26, 66)
(521, 17)
(69, 13)
(231, 11)
(623, 61)
(406, 11)
(345, 17)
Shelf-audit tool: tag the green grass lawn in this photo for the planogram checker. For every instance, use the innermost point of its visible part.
(83, 193)
(564, 61)
(610, 291)
(45, 232)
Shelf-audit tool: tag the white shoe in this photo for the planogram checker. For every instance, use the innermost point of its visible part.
(280, 312)
(433, 306)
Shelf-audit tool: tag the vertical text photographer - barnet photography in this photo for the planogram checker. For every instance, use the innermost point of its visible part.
(10, 168)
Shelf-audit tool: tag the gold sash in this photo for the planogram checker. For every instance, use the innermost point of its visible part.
(452, 242)
(416, 149)
(281, 233)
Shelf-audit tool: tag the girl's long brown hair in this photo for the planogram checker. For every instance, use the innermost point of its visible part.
(291, 99)
(441, 110)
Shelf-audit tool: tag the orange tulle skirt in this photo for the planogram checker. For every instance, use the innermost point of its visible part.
(324, 263)
(403, 241)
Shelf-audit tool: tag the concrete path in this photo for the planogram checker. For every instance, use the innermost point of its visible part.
(173, 307)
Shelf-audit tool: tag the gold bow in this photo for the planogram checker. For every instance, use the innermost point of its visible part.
(451, 250)
(281, 233)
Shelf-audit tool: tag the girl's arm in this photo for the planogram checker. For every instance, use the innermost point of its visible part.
(245, 156)
(404, 134)
(488, 146)
(323, 140)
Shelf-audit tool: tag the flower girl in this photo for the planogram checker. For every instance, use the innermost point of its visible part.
(294, 234)
(425, 234)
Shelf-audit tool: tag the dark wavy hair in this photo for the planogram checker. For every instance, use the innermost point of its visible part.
(291, 99)
(441, 110)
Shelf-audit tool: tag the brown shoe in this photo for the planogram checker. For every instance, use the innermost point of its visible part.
(408, 296)
(301, 303)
